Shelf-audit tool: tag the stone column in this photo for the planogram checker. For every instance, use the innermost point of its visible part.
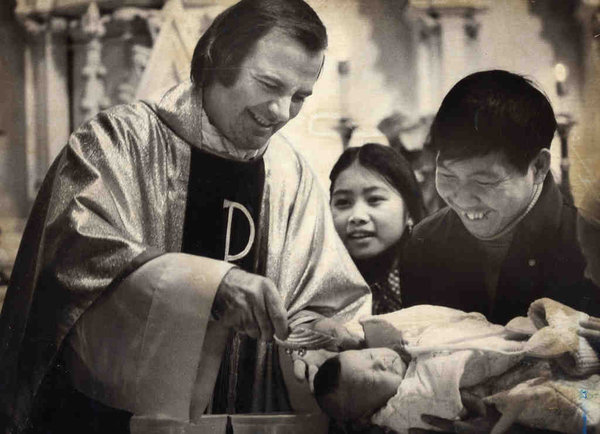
(428, 62)
(93, 98)
(448, 46)
(137, 29)
(46, 96)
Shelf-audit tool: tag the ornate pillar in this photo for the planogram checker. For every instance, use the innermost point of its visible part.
(47, 114)
(90, 30)
(429, 80)
(169, 62)
(448, 46)
(138, 29)
(110, 53)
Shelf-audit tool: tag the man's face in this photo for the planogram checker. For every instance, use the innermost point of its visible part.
(273, 82)
(487, 193)
(368, 379)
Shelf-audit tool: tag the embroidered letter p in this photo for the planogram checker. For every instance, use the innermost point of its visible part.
(230, 205)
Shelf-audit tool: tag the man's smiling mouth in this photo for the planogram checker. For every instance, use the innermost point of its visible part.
(475, 216)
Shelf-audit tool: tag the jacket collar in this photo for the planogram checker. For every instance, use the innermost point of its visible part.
(182, 110)
(544, 218)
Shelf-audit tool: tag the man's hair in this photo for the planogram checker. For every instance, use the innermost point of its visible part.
(493, 111)
(234, 33)
(389, 164)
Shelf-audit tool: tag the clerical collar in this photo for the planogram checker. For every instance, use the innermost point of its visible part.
(217, 143)
(511, 227)
(182, 110)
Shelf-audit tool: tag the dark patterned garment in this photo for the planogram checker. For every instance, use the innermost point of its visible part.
(386, 293)
(382, 273)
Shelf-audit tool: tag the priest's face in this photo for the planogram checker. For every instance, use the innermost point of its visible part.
(273, 82)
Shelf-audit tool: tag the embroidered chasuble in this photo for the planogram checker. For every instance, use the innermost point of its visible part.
(131, 234)
(221, 222)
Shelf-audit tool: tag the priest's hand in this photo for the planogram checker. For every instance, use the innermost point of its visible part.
(590, 330)
(250, 304)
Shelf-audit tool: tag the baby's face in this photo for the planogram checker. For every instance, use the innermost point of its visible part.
(369, 378)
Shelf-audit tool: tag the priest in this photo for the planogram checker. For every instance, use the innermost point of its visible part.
(170, 242)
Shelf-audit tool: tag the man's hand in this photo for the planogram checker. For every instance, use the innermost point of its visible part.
(306, 366)
(250, 304)
(590, 330)
(479, 418)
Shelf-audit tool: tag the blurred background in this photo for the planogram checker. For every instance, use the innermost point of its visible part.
(388, 66)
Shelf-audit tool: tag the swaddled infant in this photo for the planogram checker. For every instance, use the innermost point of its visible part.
(446, 350)
(354, 384)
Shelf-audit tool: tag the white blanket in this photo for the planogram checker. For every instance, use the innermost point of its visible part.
(451, 350)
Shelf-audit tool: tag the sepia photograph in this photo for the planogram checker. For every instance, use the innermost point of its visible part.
(299, 216)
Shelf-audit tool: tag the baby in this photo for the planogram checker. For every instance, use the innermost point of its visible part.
(354, 384)
(427, 354)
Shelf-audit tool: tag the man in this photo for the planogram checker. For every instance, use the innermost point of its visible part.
(507, 236)
(163, 229)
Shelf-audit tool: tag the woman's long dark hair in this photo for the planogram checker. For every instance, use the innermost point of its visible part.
(392, 166)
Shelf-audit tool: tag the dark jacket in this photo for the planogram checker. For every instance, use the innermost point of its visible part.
(444, 264)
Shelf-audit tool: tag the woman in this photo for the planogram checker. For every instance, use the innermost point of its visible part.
(375, 200)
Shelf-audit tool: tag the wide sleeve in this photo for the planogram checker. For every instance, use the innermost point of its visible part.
(94, 222)
(139, 346)
(101, 224)
(306, 258)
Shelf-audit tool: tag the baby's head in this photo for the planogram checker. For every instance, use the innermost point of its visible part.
(353, 385)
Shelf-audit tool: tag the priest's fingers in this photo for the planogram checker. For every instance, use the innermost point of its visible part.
(276, 311)
(249, 303)
(250, 326)
(263, 322)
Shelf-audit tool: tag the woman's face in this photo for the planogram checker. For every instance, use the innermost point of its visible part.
(368, 213)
